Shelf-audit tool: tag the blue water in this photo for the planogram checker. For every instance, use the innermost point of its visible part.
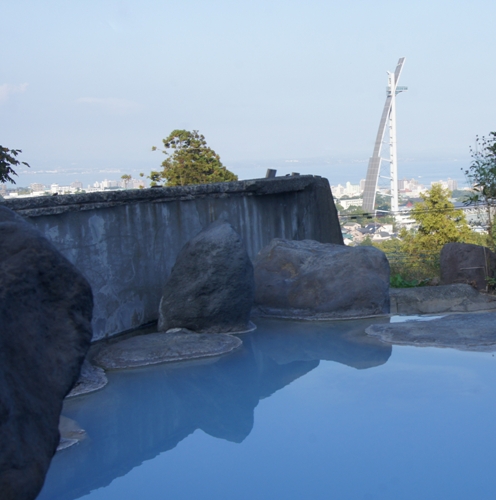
(425, 171)
(303, 411)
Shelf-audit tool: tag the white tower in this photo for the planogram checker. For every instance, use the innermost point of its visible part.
(388, 119)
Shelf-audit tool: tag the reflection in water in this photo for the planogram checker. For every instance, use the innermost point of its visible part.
(144, 412)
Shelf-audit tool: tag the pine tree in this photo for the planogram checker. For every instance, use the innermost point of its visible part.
(190, 161)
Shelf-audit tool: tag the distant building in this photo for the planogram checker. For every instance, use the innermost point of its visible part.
(36, 186)
(348, 190)
(355, 202)
(450, 184)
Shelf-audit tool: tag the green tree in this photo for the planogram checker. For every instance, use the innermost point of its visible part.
(355, 214)
(382, 202)
(482, 176)
(8, 159)
(189, 161)
(438, 223)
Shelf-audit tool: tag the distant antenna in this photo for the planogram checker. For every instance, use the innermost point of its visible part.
(388, 119)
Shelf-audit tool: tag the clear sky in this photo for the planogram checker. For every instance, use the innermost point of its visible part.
(96, 83)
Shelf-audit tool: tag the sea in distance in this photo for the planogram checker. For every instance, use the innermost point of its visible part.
(336, 171)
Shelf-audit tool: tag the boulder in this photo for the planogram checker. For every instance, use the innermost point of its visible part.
(211, 286)
(467, 263)
(45, 317)
(314, 280)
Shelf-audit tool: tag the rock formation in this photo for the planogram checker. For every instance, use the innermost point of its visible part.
(467, 263)
(155, 348)
(466, 332)
(45, 332)
(308, 279)
(211, 287)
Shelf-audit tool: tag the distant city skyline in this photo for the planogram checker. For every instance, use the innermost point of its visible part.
(336, 171)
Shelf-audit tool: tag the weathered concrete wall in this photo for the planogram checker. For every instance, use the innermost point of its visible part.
(126, 243)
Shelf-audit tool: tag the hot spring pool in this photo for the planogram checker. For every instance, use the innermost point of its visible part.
(303, 411)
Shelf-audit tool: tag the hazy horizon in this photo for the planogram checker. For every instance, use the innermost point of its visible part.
(96, 84)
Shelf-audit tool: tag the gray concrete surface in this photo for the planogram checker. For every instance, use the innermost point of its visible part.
(125, 243)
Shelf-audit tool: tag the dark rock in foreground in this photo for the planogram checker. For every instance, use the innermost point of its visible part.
(45, 332)
(211, 286)
(466, 332)
(161, 347)
(467, 263)
(307, 279)
(439, 299)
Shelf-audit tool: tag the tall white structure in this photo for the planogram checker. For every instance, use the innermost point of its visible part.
(388, 120)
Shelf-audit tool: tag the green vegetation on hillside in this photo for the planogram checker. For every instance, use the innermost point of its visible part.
(482, 176)
(414, 258)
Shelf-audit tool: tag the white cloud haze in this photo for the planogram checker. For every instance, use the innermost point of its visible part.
(121, 106)
(7, 89)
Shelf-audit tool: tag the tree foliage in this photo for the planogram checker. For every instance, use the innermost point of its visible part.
(438, 223)
(355, 214)
(189, 161)
(482, 176)
(8, 159)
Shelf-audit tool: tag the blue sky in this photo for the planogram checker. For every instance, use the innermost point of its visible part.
(96, 83)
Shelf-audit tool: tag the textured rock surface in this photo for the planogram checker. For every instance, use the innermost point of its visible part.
(314, 280)
(45, 331)
(92, 378)
(438, 299)
(70, 433)
(161, 347)
(466, 263)
(211, 286)
(468, 332)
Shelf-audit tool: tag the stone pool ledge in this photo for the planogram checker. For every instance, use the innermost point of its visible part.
(466, 332)
(440, 299)
(160, 347)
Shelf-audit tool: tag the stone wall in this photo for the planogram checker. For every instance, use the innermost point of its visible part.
(126, 242)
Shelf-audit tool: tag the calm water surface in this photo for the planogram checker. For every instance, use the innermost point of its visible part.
(303, 411)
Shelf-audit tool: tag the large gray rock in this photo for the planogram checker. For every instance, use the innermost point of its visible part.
(308, 279)
(211, 287)
(466, 263)
(45, 332)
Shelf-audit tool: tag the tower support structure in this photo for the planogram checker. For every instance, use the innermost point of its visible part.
(388, 120)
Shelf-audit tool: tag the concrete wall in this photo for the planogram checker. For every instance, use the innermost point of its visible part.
(126, 243)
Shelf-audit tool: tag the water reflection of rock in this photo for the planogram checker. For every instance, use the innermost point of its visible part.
(343, 342)
(144, 412)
